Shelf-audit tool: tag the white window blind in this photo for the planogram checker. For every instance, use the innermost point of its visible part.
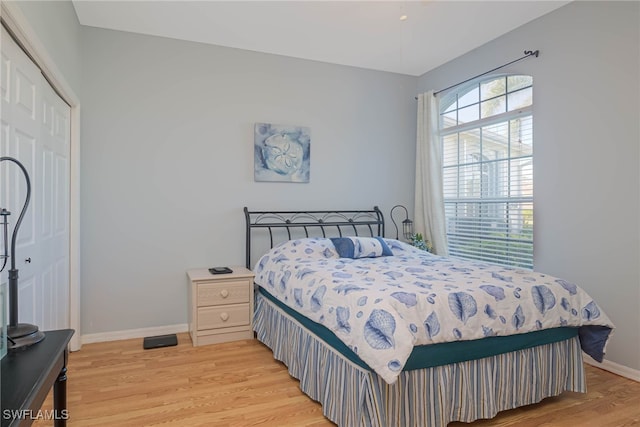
(486, 130)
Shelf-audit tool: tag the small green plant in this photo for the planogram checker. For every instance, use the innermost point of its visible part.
(418, 241)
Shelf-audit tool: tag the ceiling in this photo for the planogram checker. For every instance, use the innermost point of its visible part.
(366, 34)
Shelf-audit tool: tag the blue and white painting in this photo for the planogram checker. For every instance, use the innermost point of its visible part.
(281, 153)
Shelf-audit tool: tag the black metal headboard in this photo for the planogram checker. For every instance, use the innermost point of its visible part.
(313, 223)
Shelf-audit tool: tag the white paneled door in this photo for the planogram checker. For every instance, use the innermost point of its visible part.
(35, 129)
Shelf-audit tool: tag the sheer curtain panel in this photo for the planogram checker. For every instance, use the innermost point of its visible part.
(429, 202)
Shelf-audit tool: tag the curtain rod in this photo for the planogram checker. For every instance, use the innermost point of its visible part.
(527, 53)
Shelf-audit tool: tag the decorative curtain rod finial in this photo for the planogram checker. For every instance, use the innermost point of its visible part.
(532, 52)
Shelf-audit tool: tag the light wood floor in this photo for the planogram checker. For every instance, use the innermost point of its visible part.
(240, 384)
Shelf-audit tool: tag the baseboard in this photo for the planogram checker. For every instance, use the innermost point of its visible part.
(134, 333)
(607, 365)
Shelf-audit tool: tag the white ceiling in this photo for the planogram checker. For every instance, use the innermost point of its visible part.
(366, 34)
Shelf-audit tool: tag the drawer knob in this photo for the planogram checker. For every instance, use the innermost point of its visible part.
(224, 293)
(224, 316)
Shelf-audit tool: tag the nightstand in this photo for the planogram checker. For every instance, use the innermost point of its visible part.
(220, 305)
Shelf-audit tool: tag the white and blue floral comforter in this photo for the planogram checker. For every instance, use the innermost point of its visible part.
(383, 307)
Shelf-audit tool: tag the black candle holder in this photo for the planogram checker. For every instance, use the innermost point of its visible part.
(407, 224)
(19, 335)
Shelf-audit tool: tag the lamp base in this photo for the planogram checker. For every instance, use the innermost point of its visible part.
(23, 335)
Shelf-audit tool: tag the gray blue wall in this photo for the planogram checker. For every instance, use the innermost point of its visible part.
(586, 153)
(167, 160)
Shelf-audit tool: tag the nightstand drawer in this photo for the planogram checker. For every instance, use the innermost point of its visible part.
(223, 316)
(223, 292)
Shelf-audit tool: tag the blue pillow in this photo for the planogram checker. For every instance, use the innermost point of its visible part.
(361, 247)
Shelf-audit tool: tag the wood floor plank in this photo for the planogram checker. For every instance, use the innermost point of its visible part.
(240, 384)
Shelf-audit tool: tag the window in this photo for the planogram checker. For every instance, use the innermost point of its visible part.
(486, 130)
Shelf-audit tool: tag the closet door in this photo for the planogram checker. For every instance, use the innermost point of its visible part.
(34, 128)
(52, 228)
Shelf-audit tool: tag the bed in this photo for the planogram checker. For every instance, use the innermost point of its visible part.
(383, 334)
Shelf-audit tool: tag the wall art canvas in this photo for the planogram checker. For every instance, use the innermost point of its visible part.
(281, 153)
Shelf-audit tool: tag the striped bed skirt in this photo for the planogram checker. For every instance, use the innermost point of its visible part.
(431, 397)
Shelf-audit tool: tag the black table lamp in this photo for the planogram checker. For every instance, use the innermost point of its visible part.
(19, 335)
(407, 224)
